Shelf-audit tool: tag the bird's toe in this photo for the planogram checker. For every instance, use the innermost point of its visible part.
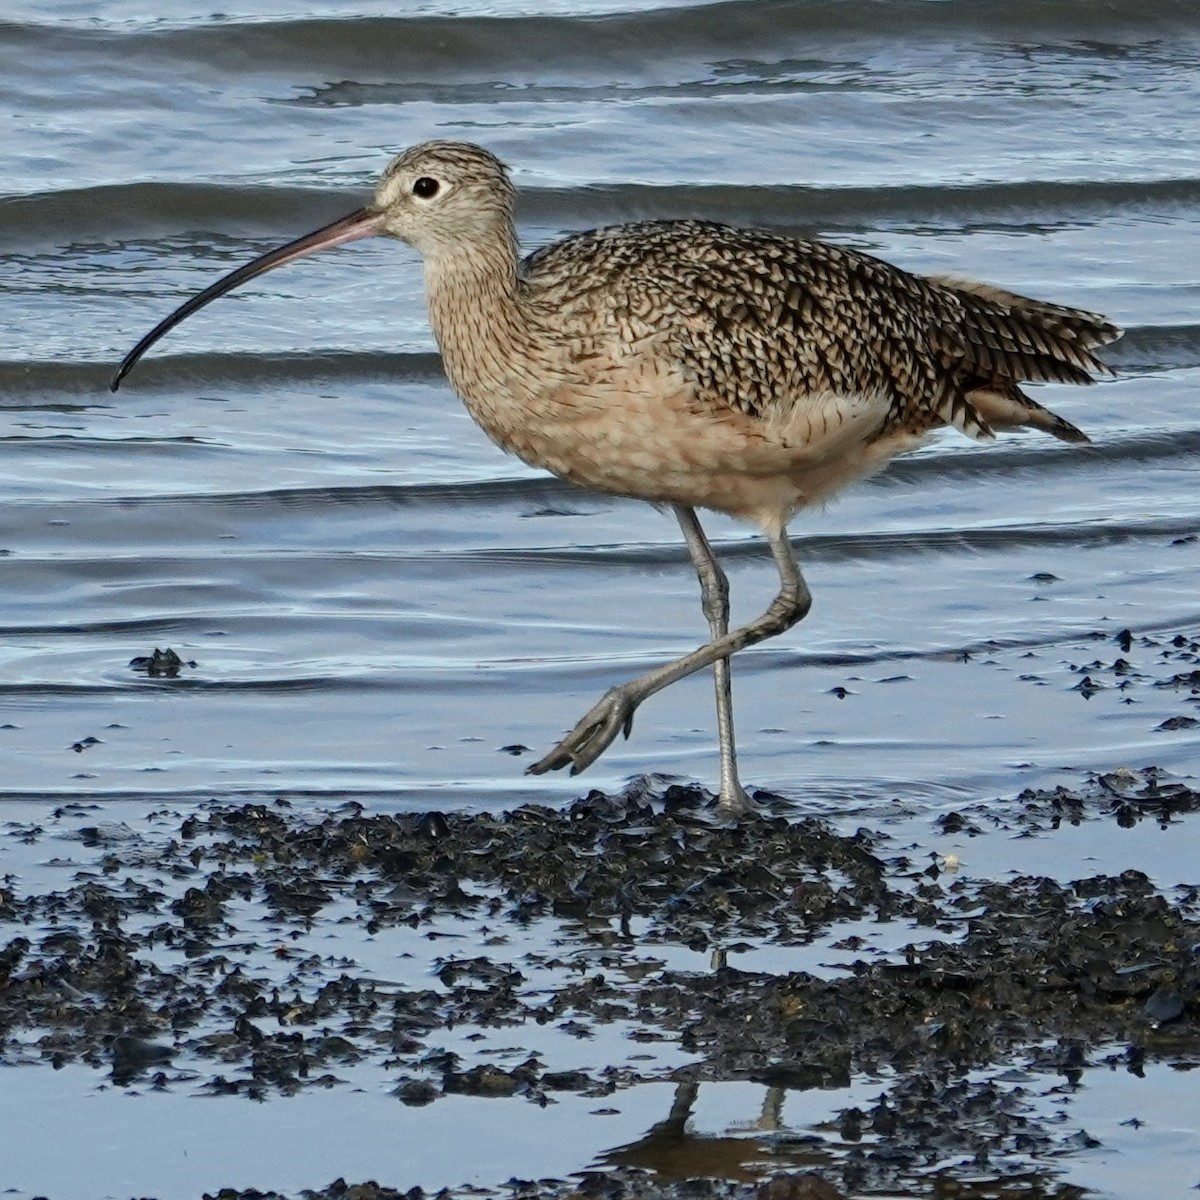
(591, 736)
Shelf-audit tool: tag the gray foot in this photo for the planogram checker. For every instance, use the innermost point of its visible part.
(592, 736)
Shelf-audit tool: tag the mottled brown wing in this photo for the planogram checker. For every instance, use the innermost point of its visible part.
(761, 320)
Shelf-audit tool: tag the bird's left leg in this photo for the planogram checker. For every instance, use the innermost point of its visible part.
(714, 599)
(614, 713)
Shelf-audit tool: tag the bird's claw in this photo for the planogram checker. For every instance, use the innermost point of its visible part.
(591, 736)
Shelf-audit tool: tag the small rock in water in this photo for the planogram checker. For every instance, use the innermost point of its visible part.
(162, 663)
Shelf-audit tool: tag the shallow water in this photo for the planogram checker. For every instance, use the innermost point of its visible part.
(378, 602)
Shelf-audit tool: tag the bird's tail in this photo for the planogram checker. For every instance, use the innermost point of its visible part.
(1013, 337)
(1002, 339)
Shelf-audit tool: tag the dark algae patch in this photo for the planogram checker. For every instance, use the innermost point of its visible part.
(615, 1185)
(256, 951)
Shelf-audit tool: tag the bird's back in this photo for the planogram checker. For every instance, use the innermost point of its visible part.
(761, 322)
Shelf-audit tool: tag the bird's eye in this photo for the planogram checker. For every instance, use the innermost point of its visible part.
(426, 187)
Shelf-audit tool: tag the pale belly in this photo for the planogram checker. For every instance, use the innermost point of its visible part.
(659, 445)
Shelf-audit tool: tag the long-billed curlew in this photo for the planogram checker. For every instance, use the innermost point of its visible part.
(697, 365)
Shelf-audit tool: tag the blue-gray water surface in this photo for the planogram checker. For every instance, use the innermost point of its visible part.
(377, 601)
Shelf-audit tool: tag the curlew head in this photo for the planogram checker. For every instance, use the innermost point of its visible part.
(437, 196)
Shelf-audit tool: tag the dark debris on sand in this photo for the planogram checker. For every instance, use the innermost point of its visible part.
(148, 959)
(613, 1185)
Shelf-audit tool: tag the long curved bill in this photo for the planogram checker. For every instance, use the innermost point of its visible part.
(361, 223)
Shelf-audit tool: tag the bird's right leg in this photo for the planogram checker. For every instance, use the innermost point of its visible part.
(614, 713)
(714, 599)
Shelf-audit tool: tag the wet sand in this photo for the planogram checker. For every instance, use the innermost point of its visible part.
(267, 950)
